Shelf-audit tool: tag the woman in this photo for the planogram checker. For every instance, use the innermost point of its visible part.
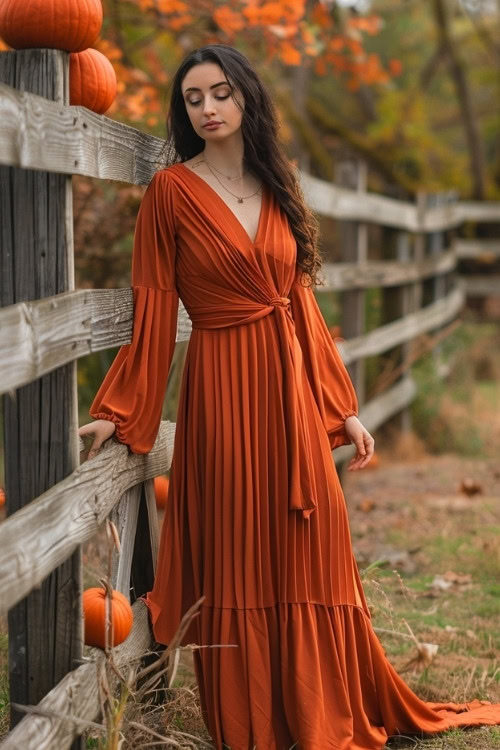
(256, 520)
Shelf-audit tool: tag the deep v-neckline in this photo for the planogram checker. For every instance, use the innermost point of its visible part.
(230, 211)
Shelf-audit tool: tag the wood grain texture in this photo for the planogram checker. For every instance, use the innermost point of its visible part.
(36, 337)
(39, 134)
(404, 329)
(37, 538)
(124, 516)
(77, 695)
(341, 203)
(384, 273)
(40, 419)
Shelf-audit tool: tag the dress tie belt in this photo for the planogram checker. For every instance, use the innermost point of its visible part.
(301, 484)
(282, 301)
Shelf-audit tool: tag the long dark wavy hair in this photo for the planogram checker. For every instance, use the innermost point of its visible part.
(263, 152)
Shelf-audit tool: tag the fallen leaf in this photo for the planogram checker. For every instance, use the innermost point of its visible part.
(367, 505)
(449, 581)
(470, 487)
(470, 634)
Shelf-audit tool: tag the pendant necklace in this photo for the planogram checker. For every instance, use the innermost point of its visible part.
(240, 198)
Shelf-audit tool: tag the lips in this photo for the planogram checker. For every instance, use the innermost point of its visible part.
(212, 122)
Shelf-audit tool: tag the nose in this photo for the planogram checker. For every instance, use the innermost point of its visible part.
(209, 106)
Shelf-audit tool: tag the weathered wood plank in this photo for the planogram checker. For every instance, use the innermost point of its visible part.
(404, 329)
(154, 534)
(477, 249)
(353, 240)
(482, 286)
(77, 695)
(38, 134)
(40, 419)
(340, 203)
(36, 337)
(124, 516)
(35, 539)
(383, 273)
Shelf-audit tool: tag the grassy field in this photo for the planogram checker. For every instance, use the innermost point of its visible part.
(425, 525)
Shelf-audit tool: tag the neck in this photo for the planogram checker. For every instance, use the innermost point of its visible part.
(228, 157)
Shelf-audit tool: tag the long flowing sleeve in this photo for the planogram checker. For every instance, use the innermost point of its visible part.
(330, 382)
(132, 392)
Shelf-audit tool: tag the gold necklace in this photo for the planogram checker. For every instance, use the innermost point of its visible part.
(222, 173)
(240, 198)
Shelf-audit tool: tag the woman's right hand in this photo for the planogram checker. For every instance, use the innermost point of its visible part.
(101, 429)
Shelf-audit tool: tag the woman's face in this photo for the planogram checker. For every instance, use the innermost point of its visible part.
(207, 96)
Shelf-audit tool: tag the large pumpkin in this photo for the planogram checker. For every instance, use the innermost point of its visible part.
(161, 490)
(94, 611)
(70, 25)
(92, 80)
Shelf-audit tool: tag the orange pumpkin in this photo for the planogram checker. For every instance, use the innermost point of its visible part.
(94, 611)
(161, 490)
(70, 25)
(92, 80)
(2, 497)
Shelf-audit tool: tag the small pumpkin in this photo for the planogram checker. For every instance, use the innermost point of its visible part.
(2, 497)
(94, 612)
(70, 25)
(161, 490)
(92, 80)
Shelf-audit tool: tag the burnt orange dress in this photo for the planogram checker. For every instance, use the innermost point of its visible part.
(256, 519)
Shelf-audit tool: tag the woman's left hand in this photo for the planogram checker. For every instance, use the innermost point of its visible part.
(363, 441)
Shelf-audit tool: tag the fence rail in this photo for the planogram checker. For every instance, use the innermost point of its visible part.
(41, 336)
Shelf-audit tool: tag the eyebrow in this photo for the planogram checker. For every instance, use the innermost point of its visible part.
(194, 88)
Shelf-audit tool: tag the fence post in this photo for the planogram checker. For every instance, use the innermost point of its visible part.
(398, 302)
(438, 286)
(40, 419)
(354, 249)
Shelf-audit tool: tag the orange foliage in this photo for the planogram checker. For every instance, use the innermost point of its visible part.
(289, 54)
(395, 66)
(369, 24)
(320, 67)
(321, 16)
(172, 6)
(337, 43)
(286, 30)
(228, 20)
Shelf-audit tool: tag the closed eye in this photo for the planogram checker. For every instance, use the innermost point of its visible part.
(220, 98)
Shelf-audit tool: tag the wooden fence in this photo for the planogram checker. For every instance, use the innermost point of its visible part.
(55, 504)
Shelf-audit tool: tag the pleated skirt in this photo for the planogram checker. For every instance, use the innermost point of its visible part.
(298, 663)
